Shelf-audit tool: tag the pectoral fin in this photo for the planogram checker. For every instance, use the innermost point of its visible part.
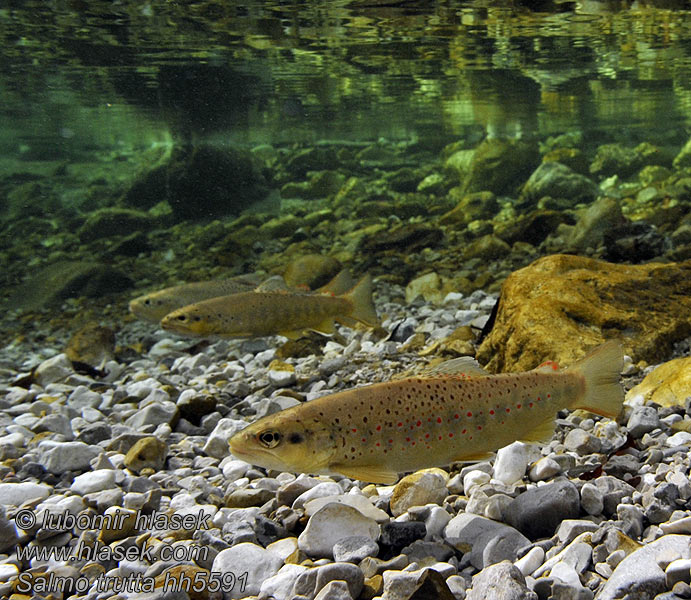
(370, 473)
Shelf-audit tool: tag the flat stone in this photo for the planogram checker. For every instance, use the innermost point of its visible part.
(94, 481)
(473, 533)
(613, 490)
(353, 549)
(58, 457)
(332, 523)
(639, 575)
(538, 512)
(15, 494)
(582, 442)
(358, 501)
(643, 419)
(502, 580)
(154, 414)
(258, 563)
(560, 298)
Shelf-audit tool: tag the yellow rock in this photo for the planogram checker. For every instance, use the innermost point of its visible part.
(417, 489)
(147, 453)
(560, 306)
(278, 365)
(668, 385)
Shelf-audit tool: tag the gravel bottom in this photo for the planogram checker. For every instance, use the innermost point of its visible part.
(121, 486)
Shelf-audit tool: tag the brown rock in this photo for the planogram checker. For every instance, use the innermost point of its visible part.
(311, 270)
(91, 344)
(561, 305)
(148, 452)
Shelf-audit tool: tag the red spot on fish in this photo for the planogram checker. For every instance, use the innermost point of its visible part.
(457, 416)
(439, 437)
(508, 410)
(491, 412)
(438, 419)
(377, 444)
(549, 395)
(400, 424)
(378, 427)
(419, 423)
(470, 414)
(538, 398)
(451, 435)
(407, 439)
(530, 404)
(518, 406)
(479, 427)
(354, 430)
(390, 441)
(413, 443)
(427, 435)
(364, 440)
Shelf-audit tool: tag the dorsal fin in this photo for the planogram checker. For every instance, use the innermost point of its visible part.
(340, 284)
(464, 366)
(273, 284)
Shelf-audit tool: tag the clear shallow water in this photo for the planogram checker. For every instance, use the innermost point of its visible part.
(79, 76)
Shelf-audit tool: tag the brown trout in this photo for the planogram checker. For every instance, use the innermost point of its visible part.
(455, 412)
(156, 305)
(284, 312)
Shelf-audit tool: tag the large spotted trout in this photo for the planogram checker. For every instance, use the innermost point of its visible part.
(456, 412)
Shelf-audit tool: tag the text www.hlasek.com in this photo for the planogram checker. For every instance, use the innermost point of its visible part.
(194, 580)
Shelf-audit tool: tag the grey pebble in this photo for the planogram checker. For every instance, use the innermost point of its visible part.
(538, 512)
(501, 580)
(355, 548)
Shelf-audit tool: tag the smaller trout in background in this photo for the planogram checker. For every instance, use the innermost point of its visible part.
(285, 312)
(156, 305)
(454, 412)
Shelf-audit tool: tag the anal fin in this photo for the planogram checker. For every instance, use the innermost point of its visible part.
(369, 473)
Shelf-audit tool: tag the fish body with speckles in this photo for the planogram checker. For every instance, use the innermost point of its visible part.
(281, 311)
(156, 305)
(457, 412)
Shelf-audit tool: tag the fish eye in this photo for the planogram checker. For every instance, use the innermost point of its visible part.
(270, 439)
(182, 318)
(295, 438)
(147, 302)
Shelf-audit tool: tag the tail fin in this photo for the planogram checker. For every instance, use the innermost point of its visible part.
(601, 368)
(361, 297)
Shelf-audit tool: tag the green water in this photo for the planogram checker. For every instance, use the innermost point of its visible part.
(96, 96)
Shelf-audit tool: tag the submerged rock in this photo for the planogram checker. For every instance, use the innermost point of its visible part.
(500, 166)
(68, 279)
(560, 305)
(558, 181)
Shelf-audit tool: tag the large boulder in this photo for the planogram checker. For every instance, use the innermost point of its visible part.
(500, 166)
(560, 305)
